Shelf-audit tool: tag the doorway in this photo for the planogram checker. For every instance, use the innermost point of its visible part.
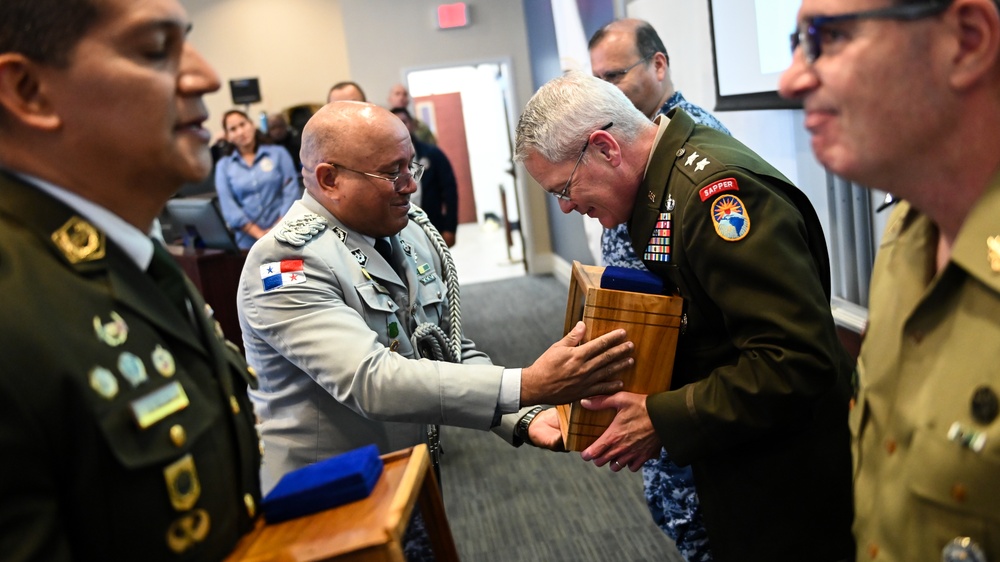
(467, 108)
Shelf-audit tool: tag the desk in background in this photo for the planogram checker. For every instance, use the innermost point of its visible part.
(216, 274)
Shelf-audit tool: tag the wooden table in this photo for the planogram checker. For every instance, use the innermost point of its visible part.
(367, 530)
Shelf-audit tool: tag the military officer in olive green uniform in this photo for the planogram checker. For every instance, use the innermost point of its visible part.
(926, 422)
(124, 422)
(758, 403)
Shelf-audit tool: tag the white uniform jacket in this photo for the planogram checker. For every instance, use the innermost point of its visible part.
(326, 323)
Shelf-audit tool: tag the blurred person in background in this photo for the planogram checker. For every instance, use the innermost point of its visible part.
(256, 183)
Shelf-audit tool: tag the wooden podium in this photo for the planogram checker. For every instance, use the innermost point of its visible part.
(652, 323)
(368, 530)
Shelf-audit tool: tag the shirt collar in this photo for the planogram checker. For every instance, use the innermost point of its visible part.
(135, 243)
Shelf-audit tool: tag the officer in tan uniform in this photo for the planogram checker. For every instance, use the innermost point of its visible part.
(758, 400)
(902, 97)
(124, 421)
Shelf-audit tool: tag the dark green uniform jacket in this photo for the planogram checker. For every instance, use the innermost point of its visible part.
(759, 395)
(125, 429)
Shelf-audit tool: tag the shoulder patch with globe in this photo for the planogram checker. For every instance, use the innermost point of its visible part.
(730, 217)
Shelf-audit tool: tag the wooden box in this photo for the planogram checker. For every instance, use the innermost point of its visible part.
(652, 323)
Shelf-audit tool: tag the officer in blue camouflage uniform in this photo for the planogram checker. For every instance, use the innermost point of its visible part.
(760, 383)
(614, 50)
(125, 425)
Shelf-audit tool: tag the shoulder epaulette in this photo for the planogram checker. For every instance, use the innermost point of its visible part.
(301, 230)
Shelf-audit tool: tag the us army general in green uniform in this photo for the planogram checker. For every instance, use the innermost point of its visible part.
(759, 394)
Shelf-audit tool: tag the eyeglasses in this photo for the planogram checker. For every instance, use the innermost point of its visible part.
(398, 181)
(564, 194)
(809, 33)
(615, 76)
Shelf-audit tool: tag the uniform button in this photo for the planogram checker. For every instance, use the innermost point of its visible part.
(958, 492)
(234, 404)
(873, 551)
(252, 371)
(178, 436)
(680, 152)
(890, 446)
(251, 505)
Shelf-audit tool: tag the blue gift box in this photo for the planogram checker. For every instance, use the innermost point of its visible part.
(335, 481)
(631, 280)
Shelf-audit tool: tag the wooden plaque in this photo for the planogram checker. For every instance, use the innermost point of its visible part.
(652, 323)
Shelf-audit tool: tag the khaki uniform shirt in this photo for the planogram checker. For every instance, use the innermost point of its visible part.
(926, 438)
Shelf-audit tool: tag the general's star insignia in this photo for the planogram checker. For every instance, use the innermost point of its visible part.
(701, 164)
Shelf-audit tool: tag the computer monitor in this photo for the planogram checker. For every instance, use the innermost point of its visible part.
(244, 91)
(198, 221)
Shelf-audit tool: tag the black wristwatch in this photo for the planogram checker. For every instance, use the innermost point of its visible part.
(521, 429)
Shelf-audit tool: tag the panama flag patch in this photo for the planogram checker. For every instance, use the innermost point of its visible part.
(280, 273)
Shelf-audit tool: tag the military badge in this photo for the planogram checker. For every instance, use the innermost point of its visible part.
(694, 156)
(158, 404)
(962, 549)
(993, 254)
(658, 247)
(393, 329)
(163, 361)
(423, 268)
(340, 233)
(183, 486)
(103, 382)
(407, 249)
(132, 368)
(113, 333)
(731, 220)
(188, 530)
(429, 279)
(728, 184)
(360, 256)
(79, 241)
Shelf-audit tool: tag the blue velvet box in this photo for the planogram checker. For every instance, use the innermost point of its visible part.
(335, 481)
(631, 280)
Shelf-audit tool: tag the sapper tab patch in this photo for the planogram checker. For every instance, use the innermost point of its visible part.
(280, 273)
(728, 184)
(731, 220)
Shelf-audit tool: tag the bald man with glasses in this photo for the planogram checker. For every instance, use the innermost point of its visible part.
(339, 302)
(903, 97)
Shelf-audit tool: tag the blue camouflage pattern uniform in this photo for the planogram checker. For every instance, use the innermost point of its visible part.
(669, 489)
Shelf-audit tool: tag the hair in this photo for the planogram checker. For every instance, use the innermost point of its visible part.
(647, 41)
(45, 31)
(565, 111)
(345, 84)
(259, 137)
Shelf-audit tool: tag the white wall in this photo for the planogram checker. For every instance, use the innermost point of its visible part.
(296, 48)
(385, 38)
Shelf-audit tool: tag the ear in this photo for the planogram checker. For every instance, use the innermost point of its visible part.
(607, 147)
(327, 177)
(661, 65)
(23, 92)
(977, 27)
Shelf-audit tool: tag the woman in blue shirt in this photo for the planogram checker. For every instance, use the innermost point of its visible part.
(256, 183)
